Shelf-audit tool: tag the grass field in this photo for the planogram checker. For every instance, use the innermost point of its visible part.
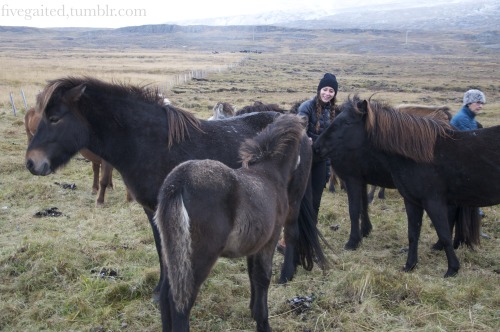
(93, 269)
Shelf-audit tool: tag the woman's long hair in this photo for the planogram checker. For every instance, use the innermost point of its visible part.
(319, 108)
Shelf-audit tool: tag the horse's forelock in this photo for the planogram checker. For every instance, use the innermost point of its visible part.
(45, 96)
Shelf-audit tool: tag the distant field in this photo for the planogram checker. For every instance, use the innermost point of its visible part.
(93, 269)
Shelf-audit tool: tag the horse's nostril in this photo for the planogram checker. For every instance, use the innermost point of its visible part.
(29, 164)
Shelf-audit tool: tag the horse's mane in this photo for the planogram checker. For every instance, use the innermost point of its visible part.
(260, 107)
(275, 139)
(409, 135)
(178, 120)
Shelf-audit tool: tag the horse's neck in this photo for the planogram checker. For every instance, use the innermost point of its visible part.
(131, 141)
(277, 173)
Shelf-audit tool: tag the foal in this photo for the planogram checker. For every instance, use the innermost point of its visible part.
(207, 210)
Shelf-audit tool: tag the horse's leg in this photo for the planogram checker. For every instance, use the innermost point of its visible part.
(128, 195)
(438, 213)
(290, 262)
(259, 269)
(95, 171)
(371, 194)
(166, 305)
(202, 263)
(452, 219)
(414, 214)
(105, 181)
(366, 225)
(156, 235)
(381, 193)
(354, 193)
(333, 180)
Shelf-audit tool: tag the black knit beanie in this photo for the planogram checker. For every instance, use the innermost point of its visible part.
(328, 80)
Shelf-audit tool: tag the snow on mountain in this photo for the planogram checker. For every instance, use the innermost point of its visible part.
(426, 14)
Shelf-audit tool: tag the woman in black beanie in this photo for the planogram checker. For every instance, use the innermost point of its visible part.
(320, 111)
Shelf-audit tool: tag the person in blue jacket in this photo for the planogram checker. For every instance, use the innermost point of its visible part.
(472, 104)
(465, 119)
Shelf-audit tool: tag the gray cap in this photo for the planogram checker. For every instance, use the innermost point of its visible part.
(473, 96)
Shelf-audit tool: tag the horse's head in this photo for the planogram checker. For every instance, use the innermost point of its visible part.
(61, 132)
(348, 127)
(222, 110)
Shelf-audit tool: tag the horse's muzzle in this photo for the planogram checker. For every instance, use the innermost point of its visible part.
(42, 169)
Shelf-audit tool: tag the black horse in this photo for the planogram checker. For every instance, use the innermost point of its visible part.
(434, 168)
(144, 139)
(208, 210)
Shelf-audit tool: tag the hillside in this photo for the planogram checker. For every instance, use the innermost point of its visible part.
(262, 38)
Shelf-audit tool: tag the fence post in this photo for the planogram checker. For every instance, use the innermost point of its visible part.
(24, 100)
(12, 102)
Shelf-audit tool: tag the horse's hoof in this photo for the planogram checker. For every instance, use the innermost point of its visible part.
(99, 204)
(366, 232)
(409, 267)
(351, 246)
(451, 273)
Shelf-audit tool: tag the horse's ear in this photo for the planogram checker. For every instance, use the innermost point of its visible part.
(303, 121)
(75, 93)
(363, 106)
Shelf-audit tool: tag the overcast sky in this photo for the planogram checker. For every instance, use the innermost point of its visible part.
(114, 14)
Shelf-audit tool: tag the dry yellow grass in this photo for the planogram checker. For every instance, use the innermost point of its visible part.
(49, 275)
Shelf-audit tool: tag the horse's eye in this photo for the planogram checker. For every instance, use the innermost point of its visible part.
(54, 119)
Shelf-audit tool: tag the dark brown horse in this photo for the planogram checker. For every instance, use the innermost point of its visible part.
(144, 139)
(99, 185)
(435, 169)
(259, 106)
(208, 210)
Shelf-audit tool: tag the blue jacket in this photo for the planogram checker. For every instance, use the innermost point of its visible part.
(308, 109)
(464, 119)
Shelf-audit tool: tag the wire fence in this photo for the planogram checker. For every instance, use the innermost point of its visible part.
(166, 89)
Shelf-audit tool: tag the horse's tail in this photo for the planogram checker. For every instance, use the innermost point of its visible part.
(467, 226)
(308, 245)
(173, 224)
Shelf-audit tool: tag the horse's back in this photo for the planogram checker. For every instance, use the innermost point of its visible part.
(441, 112)
(470, 160)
